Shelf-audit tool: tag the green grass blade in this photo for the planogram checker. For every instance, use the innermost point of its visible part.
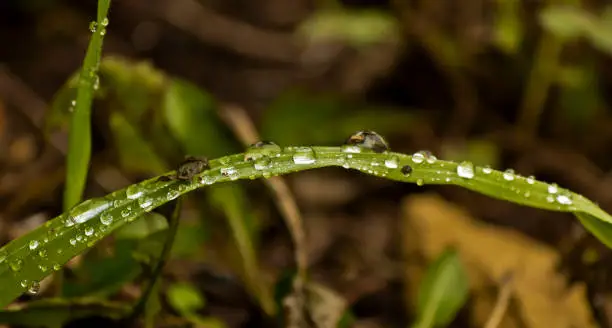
(79, 141)
(32, 257)
(443, 291)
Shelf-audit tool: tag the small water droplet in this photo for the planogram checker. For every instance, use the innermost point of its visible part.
(33, 244)
(24, 283)
(208, 179)
(487, 169)
(351, 149)
(73, 103)
(93, 26)
(42, 253)
(527, 194)
(145, 202)
(103, 31)
(564, 199)
(43, 267)
(550, 198)
(508, 175)
(553, 188)
(73, 241)
(106, 218)
(531, 179)
(261, 149)
(16, 265)
(406, 170)
(465, 170)
(33, 287)
(126, 212)
(89, 231)
(104, 21)
(420, 182)
(304, 155)
(418, 157)
(56, 267)
(262, 163)
(79, 238)
(392, 162)
(172, 194)
(133, 191)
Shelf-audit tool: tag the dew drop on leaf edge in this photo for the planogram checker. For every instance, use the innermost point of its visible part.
(304, 155)
(465, 170)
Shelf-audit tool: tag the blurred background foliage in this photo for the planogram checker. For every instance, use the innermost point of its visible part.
(522, 84)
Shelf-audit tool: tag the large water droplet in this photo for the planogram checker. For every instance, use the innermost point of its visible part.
(465, 170)
(33, 287)
(369, 140)
(553, 188)
(487, 169)
(133, 192)
(392, 162)
(508, 175)
(564, 199)
(16, 265)
(106, 218)
(145, 202)
(88, 210)
(33, 244)
(304, 155)
(261, 149)
(208, 179)
(262, 163)
(418, 157)
(230, 172)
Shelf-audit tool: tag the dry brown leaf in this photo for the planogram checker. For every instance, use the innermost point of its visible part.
(541, 297)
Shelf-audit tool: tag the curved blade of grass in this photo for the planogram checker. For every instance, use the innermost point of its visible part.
(443, 291)
(26, 259)
(79, 141)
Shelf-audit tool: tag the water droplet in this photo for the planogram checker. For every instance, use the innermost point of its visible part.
(73, 241)
(418, 157)
(564, 199)
(24, 283)
(487, 169)
(33, 244)
(33, 287)
(351, 149)
(531, 179)
(103, 31)
(172, 194)
(42, 253)
(368, 140)
(304, 155)
(133, 192)
(104, 22)
(392, 162)
(16, 265)
(262, 163)
(106, 218)
(261, 149)
(465, 170)
(93, 26)
(88, 210)
(527, 194)
(553, 188)
(431, 158)
(208, 179)
(508, 175)
(43, 267)
(69, 222)
(550, 198)
(145, 202)
(56, 267)
(230, 172)
(89, 231)
(126, 212)
(406, 170)
(420, 182)
(79, 238)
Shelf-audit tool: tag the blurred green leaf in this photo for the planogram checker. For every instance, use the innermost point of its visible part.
(146, 225)
(508, 30)
(443, 291)
(189, 238)
(356, 27)
(185, 298)
(581, 98)
(79, 141)
(54, 313)
(57, 117)
(568, 22)
(135, 153)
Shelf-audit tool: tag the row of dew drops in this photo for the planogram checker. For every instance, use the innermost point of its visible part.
(260, 155)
